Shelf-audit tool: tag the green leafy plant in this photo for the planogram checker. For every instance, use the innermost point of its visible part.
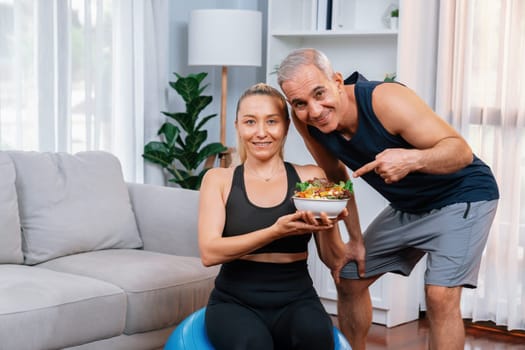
(275, 69)
(390, 77)
(181, 155)
(323, 188)
(394, 13)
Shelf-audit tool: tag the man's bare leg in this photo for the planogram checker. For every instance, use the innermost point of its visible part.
(447, 331)
(354, 309)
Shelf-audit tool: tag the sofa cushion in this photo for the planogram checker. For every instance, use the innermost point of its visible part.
(10, 235)
(44, 309)
(72, 203)
(153, 340)
(175, 209)
(161, 289)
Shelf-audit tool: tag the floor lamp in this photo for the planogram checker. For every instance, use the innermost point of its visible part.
(224, 38)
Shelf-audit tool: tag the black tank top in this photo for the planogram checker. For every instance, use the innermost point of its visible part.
(417, 192)
(242, 216)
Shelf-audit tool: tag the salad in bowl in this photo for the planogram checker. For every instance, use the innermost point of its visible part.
(321, 195)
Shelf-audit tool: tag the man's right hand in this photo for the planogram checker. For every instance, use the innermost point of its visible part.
(355, 251)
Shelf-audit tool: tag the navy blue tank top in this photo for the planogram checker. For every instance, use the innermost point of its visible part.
(242, 216)
(417, 192)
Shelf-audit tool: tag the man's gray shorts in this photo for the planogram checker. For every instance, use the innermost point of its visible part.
(453, 238)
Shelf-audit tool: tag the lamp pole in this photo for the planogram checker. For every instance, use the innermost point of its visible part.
(224, 161)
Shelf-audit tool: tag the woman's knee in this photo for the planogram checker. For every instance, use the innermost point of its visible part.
(232, 327)
(241, 340)
(306, 327)
(317, 336)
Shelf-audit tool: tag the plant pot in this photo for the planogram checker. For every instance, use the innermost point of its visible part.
(394, 22)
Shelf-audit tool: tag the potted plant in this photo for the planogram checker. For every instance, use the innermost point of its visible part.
(390, 77)
(394, 18)
(182, 149)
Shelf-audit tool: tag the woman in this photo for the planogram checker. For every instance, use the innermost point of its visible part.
(263, 296)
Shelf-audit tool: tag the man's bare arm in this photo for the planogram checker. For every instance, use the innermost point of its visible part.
(438, 148)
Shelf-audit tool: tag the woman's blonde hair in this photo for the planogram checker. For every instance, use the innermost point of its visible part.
(264, 90)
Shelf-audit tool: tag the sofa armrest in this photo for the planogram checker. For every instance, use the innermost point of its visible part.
(166, 218)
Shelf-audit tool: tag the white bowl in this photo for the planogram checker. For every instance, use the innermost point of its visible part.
(332, 207)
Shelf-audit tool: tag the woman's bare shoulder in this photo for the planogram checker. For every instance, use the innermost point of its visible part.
(218, 176)
(220, 172)
(309, 171)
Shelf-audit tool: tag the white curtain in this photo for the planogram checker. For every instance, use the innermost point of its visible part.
(480, 89)
(75, 75)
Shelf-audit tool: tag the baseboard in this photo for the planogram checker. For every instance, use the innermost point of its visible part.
(488, 326)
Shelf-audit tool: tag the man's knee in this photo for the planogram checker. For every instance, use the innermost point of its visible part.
(349, 289)
(442, 299)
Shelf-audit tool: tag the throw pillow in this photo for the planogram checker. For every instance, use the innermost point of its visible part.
(10, 235)
(72, 203)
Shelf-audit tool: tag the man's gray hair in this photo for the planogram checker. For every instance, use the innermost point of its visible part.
(303, 57)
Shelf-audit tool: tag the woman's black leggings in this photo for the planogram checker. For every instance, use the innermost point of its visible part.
(268, 307)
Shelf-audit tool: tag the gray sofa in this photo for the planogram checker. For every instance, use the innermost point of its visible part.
(88, 261)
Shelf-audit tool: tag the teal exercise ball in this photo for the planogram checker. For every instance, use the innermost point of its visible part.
(340, 341)
(190, 334)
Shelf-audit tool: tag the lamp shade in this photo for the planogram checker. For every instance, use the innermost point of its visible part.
(221, 37)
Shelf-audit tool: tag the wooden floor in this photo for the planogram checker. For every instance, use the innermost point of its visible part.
(414, 336)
